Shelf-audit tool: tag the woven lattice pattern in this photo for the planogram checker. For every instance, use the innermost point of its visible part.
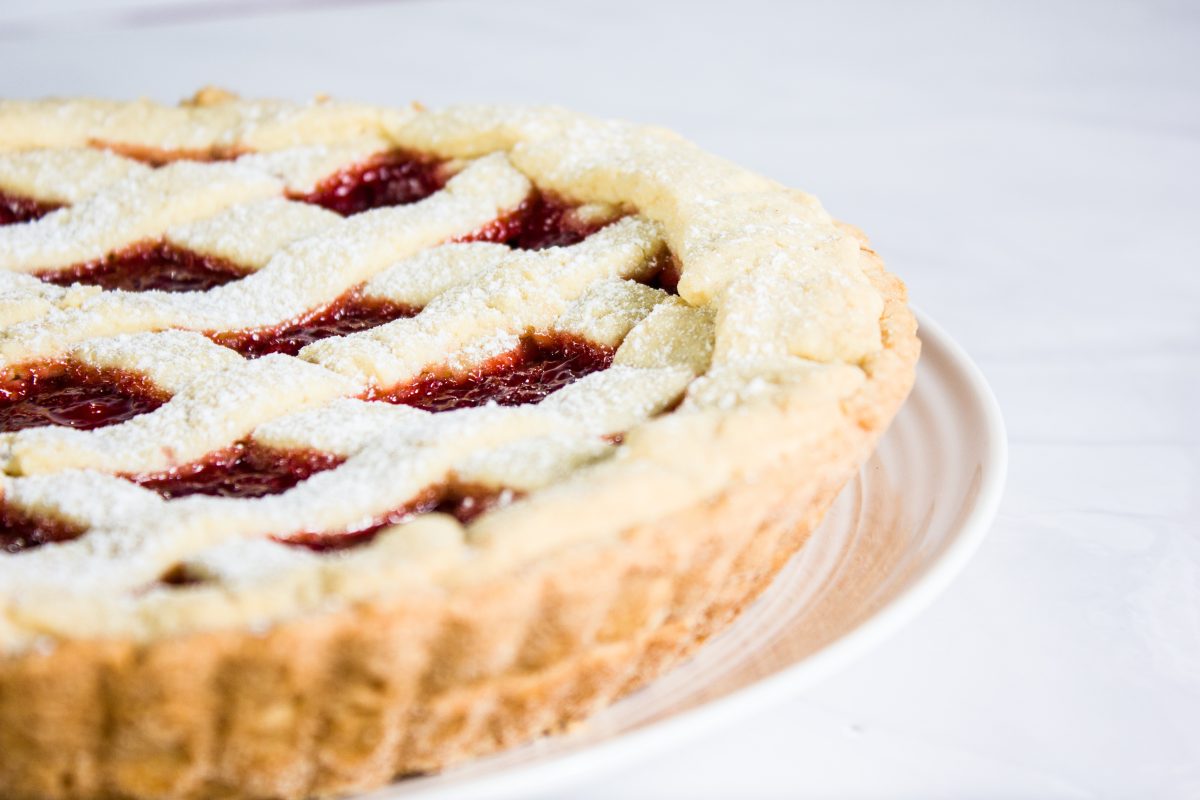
(771, 308)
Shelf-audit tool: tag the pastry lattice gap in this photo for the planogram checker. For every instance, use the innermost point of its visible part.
(85, 398)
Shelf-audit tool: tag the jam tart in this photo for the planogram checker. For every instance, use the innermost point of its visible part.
(342, 443)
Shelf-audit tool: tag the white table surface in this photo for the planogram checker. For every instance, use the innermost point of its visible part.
(1029, 168)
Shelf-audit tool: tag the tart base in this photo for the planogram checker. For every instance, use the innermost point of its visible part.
(346, 700)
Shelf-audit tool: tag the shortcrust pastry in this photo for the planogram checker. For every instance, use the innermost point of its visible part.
(342, 443)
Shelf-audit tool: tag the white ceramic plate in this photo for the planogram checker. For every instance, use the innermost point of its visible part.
(893, 540)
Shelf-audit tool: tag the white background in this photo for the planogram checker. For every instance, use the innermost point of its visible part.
(1030, 169)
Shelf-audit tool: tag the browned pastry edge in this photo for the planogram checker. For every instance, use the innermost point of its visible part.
(343, 701)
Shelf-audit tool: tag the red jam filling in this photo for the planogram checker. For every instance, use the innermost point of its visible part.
(22, 209)
(73, 396)
(243, 470)
(21, 531)
(538, 367)
(345, 315)
(391, 179)
(464, 503)
(541, 221)
(666, 272)
(399, 178)
(150, 265)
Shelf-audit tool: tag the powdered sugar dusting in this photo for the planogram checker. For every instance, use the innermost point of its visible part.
(485, 315)
(137, 208)
(64, 176)
(250, 234)
(772, 306)
(307, 274)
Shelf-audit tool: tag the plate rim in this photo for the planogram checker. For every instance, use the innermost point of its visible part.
(543, 777)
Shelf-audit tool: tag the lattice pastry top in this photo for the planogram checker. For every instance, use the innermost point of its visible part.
(262, 358)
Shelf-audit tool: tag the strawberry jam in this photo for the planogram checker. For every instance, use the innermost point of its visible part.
(243, 470)
(666, 273)
(400, 178)
(541, 221)
(390, 179)
(536, 368)
(21, 531)
(74, 396)
(22, 209)
(345, 315)
(464, 503)
(151, 265)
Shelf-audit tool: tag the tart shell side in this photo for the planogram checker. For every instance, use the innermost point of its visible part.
(345, 700)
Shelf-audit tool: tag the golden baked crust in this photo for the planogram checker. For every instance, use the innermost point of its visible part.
(564, 601)
(344, 701)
